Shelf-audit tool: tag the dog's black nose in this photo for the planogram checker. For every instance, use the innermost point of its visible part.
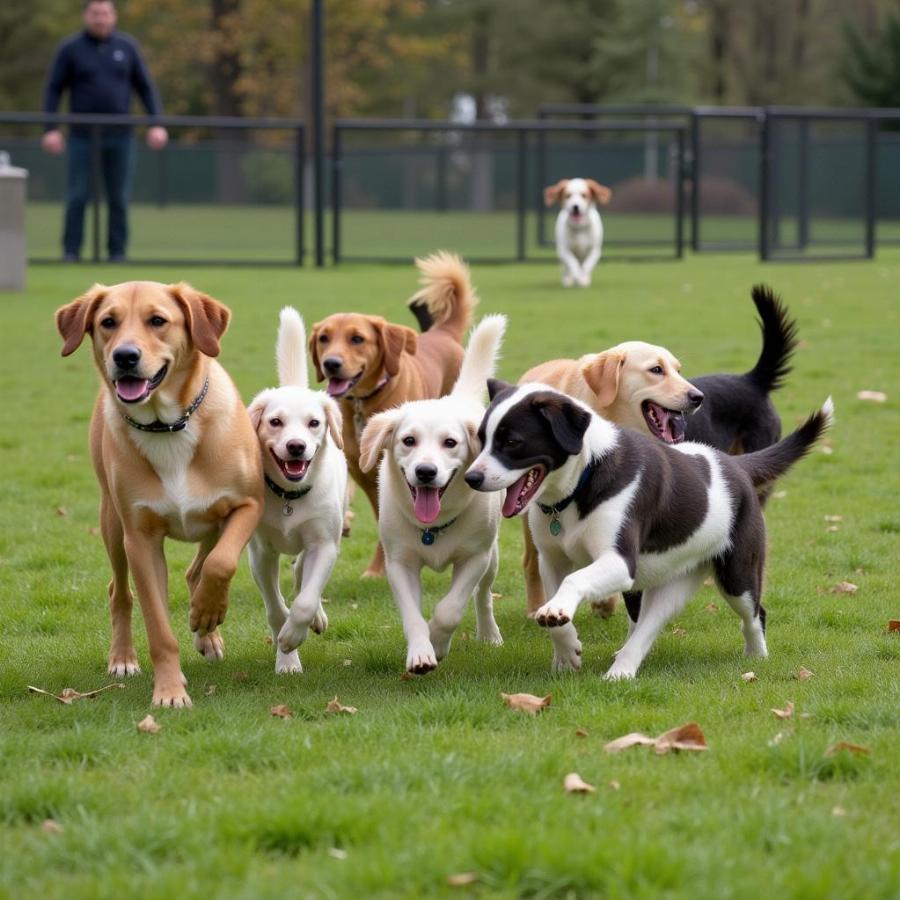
(332, 364)
(127, 356)
(695, 398)
(474, 479)
(296, 448)
(426, 472)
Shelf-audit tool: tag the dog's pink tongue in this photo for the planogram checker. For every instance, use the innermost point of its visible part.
(337, 386)
(512, 494)
(427, 504)
(130, 389)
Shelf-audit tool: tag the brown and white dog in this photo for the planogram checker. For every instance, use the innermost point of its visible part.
(373, 365)
(175, 455)
(579, 228)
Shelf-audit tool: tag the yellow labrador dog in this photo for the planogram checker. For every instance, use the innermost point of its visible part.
(175, 455)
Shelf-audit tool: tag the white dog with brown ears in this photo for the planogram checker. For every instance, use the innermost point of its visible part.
(305, 474)
(579, 228)
(427, 515)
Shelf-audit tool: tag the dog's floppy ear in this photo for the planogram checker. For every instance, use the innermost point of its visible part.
(257, 407)
(472, 438)
(602, 375)
(496, 385)
(554, 192)
(206, 319)
(600, 192)
(314, 351)
(395, 341)
(75, 319)
(335, 421)
(568, 421)
(377, 434)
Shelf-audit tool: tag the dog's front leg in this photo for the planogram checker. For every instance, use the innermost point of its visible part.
(316, 567)
(264, 567)
(449, 610)
(211, 646)
(209, 602)
(587, 267)
(566, 646)
(122, 657)
(147, 561)
(571, 267)
(406, 587)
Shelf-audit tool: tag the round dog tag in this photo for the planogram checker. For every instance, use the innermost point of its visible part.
(427, 538)
(555, 527)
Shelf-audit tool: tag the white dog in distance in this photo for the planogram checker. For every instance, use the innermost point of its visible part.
(579, 228)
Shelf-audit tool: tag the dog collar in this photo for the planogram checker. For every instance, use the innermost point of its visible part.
(429, 535)
(287, 496)
(378, 387)
(159, 427)
(359, 418)
(555, 509)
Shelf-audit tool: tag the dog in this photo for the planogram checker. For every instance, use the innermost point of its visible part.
(579, 228)
(305, 473)
(614, 510)
(372, 365)
(637, 385)
(175, 456)
(428, 517)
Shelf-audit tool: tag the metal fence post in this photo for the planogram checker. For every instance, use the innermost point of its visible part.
(679, 192)
(803, 184)
(299, 195)
(695, 181)
(764, 174)
(95, 188)
(541, 175)
(872, 127)
(318, 126)
(336, 199)
(521, 192)
(441, 179)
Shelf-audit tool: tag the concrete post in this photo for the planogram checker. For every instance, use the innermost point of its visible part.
(12, 225)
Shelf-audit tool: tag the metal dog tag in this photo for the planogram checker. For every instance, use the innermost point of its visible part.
(555, 525)
(287, 509)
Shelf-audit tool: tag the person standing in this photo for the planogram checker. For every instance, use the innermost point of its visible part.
(99, 67)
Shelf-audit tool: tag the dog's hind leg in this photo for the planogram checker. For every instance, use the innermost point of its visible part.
(122, 657)
(485, 624)
(449, 610)
(534, 588)
(211, 646)
(739, 577)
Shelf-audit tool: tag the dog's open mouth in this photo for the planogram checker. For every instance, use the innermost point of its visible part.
(337, 387)
(427, 500)
(292, 469)
(132, 390)
(666, 424)
(520, 493)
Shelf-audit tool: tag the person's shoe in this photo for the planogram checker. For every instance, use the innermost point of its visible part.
(70, 257)
(117, 257)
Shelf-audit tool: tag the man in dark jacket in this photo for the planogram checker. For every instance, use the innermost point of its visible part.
(99, 66)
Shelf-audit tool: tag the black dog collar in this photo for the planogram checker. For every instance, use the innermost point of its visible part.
(287, 496)
(554, 510)
(430, 534)
(159, 427)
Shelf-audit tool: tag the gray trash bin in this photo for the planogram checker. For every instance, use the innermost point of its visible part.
(12, 225)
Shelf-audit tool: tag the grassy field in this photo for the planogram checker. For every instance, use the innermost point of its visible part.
(434, 776)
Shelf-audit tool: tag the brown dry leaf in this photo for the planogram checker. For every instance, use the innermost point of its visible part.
(894, 625)
(629, 740)
(872, 396)
(461, 879)
(684, 737)
(407, 676)
(61, 511)
(785, 713)
(334, 706)
(855, 749)
(527, 703)
(845, 587)
(838, 811)
(709, 582)
(348, 662)
(496, 596)
(833, 528)
(614, 785)
(210, 690)
(678, 631)
(240, 676)
(581, 732)
(70, 695)
(575, 784)
(803, 674)
(712, 608)
(51, 826)
(94, 530)
(282, 711)
(834, 518)
(748, 677)
(149, 725)
(268, 640)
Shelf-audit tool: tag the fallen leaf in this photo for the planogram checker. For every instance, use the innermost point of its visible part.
(845, 587)
(70, 695)
(873, 396)
(894, 625)
(496, 596)
(614, 785)
(834, 518)
(268, 640)
(51, 826)
(240, 676)
(581, 732)
(93, 530)
(748, 677)
(354, 606)
(785, 713)
(777, 739)
(779, 495)
(678, 632)
(802, 674)
(833, 528)
(838, 811)
(348, 662)
(527, 703)
(334, 706)
(337, 853)
(712, 608)
(855, 749)
(60, 511)
(282, 711)
(709, 582)
(629, 740)
(461, 879)
(407, 676)
(210, 690)
(575, 784)
(149, 725)
(684, 737)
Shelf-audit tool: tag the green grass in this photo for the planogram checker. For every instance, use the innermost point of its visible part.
(435, 776)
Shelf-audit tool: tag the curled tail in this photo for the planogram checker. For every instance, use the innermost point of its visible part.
(446, 298)
(764, 466)
(480, 359)
(290, 351)
(779, 333)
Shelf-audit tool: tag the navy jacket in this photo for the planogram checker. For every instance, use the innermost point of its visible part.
(100, 75)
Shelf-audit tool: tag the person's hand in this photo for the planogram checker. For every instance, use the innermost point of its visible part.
(53, 142)
(157, 137)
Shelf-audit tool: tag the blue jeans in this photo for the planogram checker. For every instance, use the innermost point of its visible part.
(116, 164)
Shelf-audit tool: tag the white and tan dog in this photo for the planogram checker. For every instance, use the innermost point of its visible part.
(579, 228)
(305, 474)
(428, 516)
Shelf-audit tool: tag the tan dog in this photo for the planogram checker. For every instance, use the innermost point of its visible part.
(634, 385)
(373, 365)
(175, 455)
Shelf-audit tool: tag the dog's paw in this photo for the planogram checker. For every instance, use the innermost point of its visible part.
(568, 280)
(373, 572)
(549, 616)
(320, 621)
(210, 646)
(205, 618)
(490, 634)
(604, 608)
(567, 659)
(123, 664)
(287, 663)
(421, 658)
(292, 635)
(584, 281)
(172, 695)
(620, 670)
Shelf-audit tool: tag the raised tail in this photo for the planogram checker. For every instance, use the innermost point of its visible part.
(779, 333)
(764, 466)
(480, 359)
(290, 350)
(447, 298)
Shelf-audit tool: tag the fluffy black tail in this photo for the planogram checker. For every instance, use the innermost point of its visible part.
(779, 333)
(764, 466)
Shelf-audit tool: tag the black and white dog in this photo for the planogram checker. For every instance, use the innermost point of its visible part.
(616, 510)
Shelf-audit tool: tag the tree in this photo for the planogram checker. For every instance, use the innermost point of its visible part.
(871, 68)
